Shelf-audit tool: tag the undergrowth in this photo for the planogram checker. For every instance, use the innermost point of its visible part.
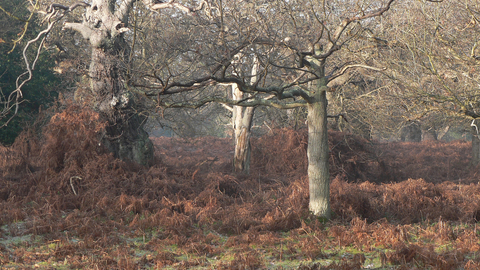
(65, 202)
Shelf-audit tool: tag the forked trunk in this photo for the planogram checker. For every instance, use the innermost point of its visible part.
(243, 124)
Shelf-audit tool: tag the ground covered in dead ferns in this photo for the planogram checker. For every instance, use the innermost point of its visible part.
(66, 204)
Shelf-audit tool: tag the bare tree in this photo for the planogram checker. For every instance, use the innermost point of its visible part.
(296, 44)
(433, 61)
(242, 120)
(104, 24)
(293, 42)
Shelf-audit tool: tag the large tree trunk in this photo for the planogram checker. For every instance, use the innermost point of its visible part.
(411, 132)
(103, 27)
(318, 152)
(124, 135)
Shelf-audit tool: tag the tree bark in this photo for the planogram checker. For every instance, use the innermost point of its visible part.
(475, 142)
(242, 125)
(124, 134)
(411, 132)
(318, 152)
(104, 28)
(243, 149)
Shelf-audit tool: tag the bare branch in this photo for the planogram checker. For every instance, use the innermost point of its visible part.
(81, 28)
(25, 27)
(345, 68)
(70, 8)
(13, 100)
(174, 4)
(186, 86)
(337, 116)
(333, 40)
(228, 107)
(279, 91)
(244, 103)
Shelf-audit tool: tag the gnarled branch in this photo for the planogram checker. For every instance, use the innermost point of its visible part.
(13, 100)
(175, 4)
(85, 31)
(53, 7)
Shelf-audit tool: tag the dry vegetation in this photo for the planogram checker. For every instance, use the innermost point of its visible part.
(65, 203)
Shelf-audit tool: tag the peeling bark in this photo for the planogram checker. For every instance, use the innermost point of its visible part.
(243, 147)
(242, 124)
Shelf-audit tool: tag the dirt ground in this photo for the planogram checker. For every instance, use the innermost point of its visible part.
(67, 204)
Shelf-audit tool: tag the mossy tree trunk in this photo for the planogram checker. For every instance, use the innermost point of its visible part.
(124, 134)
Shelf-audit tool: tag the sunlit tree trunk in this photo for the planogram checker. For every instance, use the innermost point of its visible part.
(242, 125)
(318, 151)
(318, 171)
(242, 121)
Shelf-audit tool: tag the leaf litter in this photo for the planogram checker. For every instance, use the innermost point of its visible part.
(66, 203)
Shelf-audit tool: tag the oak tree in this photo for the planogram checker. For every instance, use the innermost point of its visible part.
(103, 23)
(294, 42)
(433, 62)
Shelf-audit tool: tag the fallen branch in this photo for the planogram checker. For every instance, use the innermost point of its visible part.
(71, 183)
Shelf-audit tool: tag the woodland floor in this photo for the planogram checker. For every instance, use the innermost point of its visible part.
(65, 204)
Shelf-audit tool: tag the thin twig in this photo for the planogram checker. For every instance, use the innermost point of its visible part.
(71, 183)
